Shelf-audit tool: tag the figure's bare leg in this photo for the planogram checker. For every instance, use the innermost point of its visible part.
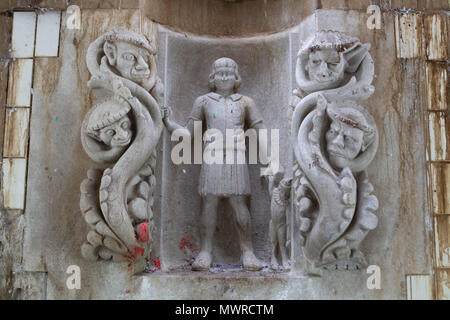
(273, 241)
(282, 245)
(243, 223)
(207, 228)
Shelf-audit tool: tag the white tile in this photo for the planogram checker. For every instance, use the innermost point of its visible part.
(420, 287)
(24, 28)
(20, 80)
(14, 173)
(47, 34)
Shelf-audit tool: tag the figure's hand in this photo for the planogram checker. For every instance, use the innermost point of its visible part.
(121, 91)
(165, 112)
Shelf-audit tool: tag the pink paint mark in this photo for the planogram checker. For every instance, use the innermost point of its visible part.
(131, 256)
(185, 244)
(143, 234)
(157, 263)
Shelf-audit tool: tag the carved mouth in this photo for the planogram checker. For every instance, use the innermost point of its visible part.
(325, 80)
(141, 76)
(122, 143)
(336, 153)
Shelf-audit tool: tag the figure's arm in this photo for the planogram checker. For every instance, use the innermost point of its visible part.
(196, 115)
(170, 124)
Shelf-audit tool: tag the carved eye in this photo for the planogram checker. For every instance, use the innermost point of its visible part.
(110, 132)
(125, 125)
(129, 57)
(316, 61)
(349, 139)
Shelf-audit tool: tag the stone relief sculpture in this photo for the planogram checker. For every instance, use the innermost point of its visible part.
(221, 109)
(121, 132)
(335, 139)
(279, 226)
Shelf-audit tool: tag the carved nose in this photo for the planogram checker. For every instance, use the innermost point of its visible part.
(323, 69)
(141, 65)
(121, 134)
(339, 141)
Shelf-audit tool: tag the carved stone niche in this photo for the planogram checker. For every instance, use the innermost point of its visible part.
(335, 139)
(121, 132)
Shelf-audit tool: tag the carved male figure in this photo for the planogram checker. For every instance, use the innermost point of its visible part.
(223, 109)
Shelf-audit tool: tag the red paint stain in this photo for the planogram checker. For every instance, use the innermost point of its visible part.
(157, 263)
(128, 291)
(185, 244)
(131, 256)
(143, 234)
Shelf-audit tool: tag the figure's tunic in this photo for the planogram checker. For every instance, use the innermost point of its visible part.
(233, 112)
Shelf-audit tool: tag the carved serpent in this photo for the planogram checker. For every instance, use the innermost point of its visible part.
(335, 193)
(112, 194)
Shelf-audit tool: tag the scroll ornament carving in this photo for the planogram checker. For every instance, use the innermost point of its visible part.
(335, 139)
(121, 132)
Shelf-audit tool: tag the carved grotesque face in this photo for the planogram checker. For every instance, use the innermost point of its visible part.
(325, 66)
(110, 124)
(225, 79)
(344, 143)
(117, 134)
(130, 61)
